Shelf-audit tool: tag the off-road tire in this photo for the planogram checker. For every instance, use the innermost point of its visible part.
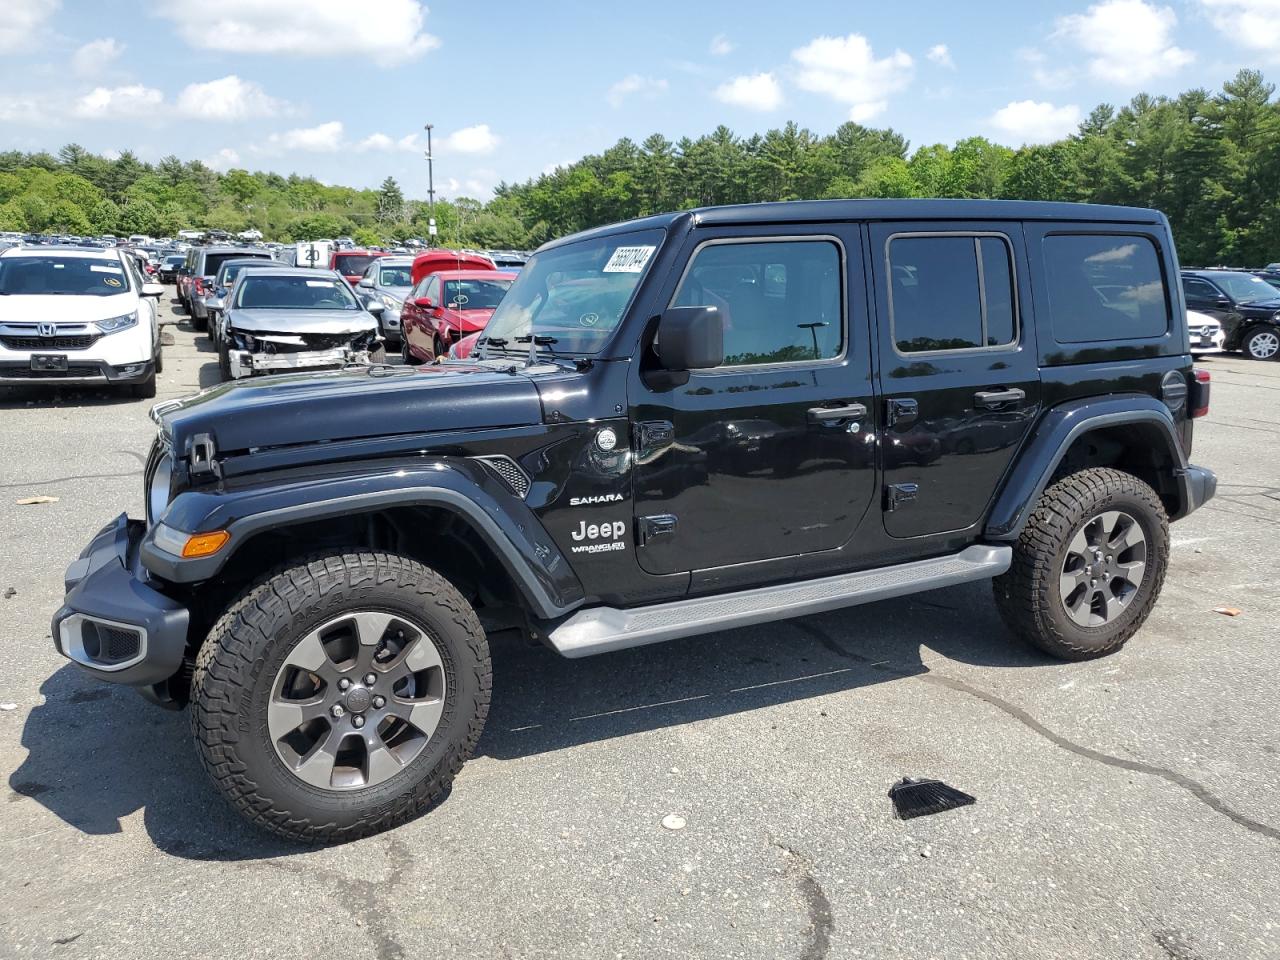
(1028, 595)
(238, 663)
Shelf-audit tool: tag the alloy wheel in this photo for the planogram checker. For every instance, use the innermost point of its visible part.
(1103, 569)
(356, 700)
(1264, 345)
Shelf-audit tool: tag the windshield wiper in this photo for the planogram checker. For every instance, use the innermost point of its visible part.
(485, 342)
(538, 340)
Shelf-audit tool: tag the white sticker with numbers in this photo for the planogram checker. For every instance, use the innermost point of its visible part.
(629, 259)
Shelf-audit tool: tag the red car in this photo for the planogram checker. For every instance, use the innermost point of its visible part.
(446, 306)
(353, 263)
(433, 261)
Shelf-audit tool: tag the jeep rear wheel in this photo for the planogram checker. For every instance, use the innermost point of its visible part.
(1088, 566)
(339, 697)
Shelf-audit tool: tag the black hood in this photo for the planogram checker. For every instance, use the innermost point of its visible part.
(1265, 308)
(346, 404)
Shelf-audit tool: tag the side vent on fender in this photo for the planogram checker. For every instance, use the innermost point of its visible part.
(509, 472)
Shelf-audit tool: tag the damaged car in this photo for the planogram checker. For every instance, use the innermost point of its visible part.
(282, 319)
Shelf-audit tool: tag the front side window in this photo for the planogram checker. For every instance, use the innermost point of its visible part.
(394, 276)
(1104, 288)
(294, 293)
(55, 276)
(575, 295)
(951, 292)
(781, 300)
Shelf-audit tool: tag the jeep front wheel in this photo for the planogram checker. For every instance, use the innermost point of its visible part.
(339, 697)
(1088, 566)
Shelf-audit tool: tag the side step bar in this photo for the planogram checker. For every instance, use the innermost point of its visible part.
(602, 629)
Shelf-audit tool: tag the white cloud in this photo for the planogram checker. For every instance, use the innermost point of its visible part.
(227, 99)
(1253, 24)
(648, 87)
(223, 160)
(720, 45)
(390, 32)
(477, 139)
(1129, 41)
(96, 55)
(758, 91)
(25, 109)
(1048, 77)
(940, 54)
(134, 100)
(846, 70)
(325, 138)
(376, 141)
(1029, 121)
(22, 20)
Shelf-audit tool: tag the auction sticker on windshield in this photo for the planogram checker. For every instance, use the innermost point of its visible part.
(629, 259)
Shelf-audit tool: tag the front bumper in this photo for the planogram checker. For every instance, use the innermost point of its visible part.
(78, 373)
(112, 621)
(246, 364)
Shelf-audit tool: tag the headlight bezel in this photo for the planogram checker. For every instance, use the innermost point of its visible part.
(115, 324)
(159, 488)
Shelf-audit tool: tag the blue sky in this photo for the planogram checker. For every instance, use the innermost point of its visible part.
(340, 89)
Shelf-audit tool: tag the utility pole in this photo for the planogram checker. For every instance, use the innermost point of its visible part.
(431, 192)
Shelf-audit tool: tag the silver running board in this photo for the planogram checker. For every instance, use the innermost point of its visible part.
(601, 629)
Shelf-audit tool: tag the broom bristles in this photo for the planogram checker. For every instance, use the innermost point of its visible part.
(918, 798)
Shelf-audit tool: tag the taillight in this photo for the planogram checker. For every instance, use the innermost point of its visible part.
(1199, 405)
(199, 285)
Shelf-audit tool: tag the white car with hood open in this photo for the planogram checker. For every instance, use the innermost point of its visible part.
(78, 317)
(280, 319)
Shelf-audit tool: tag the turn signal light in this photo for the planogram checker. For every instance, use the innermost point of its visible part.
(205, 544)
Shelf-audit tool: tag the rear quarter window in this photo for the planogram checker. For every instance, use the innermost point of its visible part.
(1105, 288)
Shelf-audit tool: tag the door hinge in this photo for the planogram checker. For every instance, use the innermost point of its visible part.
(897, 494)
(659, 525)
(653, 435)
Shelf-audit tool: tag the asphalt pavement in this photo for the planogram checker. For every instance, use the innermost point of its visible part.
(1127, 807)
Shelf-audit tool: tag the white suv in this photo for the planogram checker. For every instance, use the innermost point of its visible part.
(78, 317)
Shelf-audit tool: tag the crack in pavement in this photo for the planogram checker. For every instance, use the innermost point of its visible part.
(1194, 787)
(55, 480)
(817, 905)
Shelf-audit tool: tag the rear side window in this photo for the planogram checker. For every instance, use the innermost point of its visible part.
(951, 292)
(1104, 288)
(781, 300)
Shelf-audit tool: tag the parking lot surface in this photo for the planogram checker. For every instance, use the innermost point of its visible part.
(1127, 807)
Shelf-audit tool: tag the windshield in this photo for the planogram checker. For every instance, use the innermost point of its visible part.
(1243, 288)
(395, 276)
(62, 276)
(576, 293)
(351, 264)
(175, 261)
(228, 272)
(474, 294)
(295, 293)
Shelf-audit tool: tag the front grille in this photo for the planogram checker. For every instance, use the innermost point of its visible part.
(24, 372)
(510, 473)
(79, 342)
(1208, 331)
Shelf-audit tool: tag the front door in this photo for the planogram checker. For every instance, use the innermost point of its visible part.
(959, 373)
(772, 454)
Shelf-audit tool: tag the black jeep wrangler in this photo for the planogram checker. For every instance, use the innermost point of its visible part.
(672, 426)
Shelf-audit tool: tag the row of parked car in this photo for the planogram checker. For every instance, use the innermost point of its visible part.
(1234, 310)
(265, 316)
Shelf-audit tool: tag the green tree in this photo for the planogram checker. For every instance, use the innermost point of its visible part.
(390, 201)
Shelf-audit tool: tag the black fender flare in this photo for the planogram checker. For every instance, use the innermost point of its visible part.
(504, 521)
(1053, 435)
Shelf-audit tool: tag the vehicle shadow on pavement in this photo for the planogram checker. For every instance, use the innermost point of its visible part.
(99, 754)
(17, 398)
(542, 702)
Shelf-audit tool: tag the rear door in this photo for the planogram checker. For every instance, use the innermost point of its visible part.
(958, 368)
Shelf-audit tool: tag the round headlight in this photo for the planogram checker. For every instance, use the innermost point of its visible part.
(158, 488)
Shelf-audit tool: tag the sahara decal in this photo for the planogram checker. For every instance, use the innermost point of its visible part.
(598, 498)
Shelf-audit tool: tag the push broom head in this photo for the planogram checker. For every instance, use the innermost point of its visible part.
(918, 798)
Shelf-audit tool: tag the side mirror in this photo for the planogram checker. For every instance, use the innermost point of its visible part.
(214, 303)
(152, 289)
(690, 338)
(375, 308)
(424, 302)
(366, 282)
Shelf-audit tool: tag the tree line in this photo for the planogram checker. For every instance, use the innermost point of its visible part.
(1210, 160)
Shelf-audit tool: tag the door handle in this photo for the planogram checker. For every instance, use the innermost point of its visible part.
(852, 411)
(994, 398)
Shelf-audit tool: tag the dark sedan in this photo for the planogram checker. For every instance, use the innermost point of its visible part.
(1247, 307)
